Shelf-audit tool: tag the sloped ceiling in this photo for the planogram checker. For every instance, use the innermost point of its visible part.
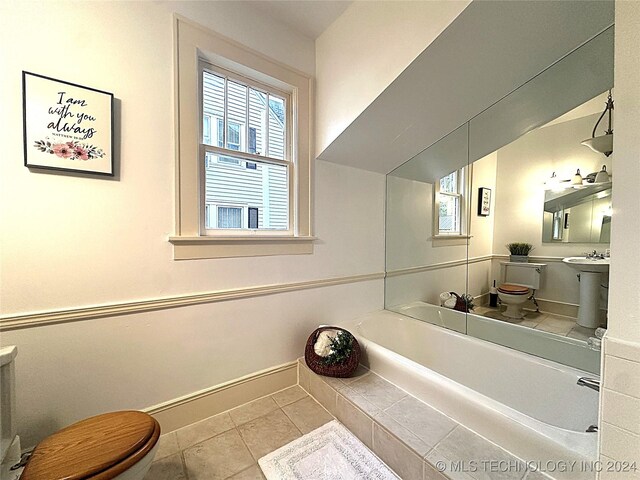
(491, 48)
(306, 17)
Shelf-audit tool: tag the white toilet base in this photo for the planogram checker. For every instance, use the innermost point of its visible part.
(140, 469)
(513, 311)
(514, 304)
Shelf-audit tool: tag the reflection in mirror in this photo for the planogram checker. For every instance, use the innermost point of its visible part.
(427, 225)
(578, 215)
(540, 201)
(452, 209)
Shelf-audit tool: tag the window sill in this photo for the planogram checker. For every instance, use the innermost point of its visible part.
(441, 237)
(201, 247)
(449, 240)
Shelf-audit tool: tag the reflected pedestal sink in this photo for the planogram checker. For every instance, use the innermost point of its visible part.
(591, 271)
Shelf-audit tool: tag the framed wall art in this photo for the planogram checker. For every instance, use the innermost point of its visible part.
(66, 126)
(484, 201)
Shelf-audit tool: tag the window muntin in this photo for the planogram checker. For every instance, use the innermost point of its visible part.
(257, 119)
(258, 185)
(449, 204)
(255, 143)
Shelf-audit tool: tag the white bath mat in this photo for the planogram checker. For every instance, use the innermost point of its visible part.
(330, 452)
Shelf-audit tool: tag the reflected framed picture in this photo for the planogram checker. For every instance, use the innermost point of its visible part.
(66, 126)
(484, 201)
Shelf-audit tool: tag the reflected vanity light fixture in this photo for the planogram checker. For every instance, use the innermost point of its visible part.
(602, 176)
(602, 143)
(576, 180)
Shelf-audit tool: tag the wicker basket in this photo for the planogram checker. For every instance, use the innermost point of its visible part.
(461, 304)
(316, 363)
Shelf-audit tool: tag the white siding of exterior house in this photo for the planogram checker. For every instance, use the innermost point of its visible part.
(266, 187)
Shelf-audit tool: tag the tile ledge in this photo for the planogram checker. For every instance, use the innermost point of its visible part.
(617, 347)
(431, 451)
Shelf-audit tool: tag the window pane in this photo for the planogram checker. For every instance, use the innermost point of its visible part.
(234, 135)
(212, 105)
(229, 217)
(277, 127)
(232, 182)
(449, 214)
(206, 129)
(236, 116)
(257, 121)
(449, 184)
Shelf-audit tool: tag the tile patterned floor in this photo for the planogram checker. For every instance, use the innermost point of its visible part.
(228, 445)
(564, 326)
(407, 434)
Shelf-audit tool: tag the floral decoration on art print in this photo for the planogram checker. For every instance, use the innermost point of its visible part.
(70, 150)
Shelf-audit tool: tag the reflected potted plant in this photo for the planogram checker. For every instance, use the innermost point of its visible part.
(464, 302)
(519, 251)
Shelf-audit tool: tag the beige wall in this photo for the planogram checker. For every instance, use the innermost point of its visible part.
(365, 49)
(69, 242)
(410, 242)
(522, 169)
(626, 201)
(620, 398)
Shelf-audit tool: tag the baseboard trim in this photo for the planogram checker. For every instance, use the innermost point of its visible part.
(558, 308)
(29, 320)
(196, 406)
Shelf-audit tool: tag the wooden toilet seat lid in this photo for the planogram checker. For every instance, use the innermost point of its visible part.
(93, 446)
(513, 289)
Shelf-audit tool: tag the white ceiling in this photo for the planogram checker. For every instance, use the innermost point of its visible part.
(308, 17)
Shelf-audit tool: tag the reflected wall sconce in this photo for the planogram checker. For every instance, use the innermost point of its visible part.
(602, 176)
(576, 180)
(602, 143)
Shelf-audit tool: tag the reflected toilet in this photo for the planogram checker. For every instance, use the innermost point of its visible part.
(518, 283)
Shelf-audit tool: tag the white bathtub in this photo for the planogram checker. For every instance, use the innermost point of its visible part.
(564, 350)
(530, 406)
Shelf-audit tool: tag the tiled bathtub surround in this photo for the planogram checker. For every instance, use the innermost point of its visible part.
(620, 397)
(407, 434)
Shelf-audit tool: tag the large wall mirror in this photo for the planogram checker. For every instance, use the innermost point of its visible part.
(508, 176)
(581, 215)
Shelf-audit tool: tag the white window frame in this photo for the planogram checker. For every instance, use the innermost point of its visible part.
(193, 43)
(241, 141)
(464, 191)
(216, 206)
(242, 157)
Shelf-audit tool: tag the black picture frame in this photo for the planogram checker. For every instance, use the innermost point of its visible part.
(484, 201)
(48, 151)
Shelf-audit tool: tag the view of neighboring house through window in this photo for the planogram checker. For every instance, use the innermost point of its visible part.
(246, 162)
(449, 204)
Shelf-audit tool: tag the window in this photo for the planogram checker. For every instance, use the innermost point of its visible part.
(233, 136)
(229, 217)
(260, 113)
(244, 150)
(449, 203)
